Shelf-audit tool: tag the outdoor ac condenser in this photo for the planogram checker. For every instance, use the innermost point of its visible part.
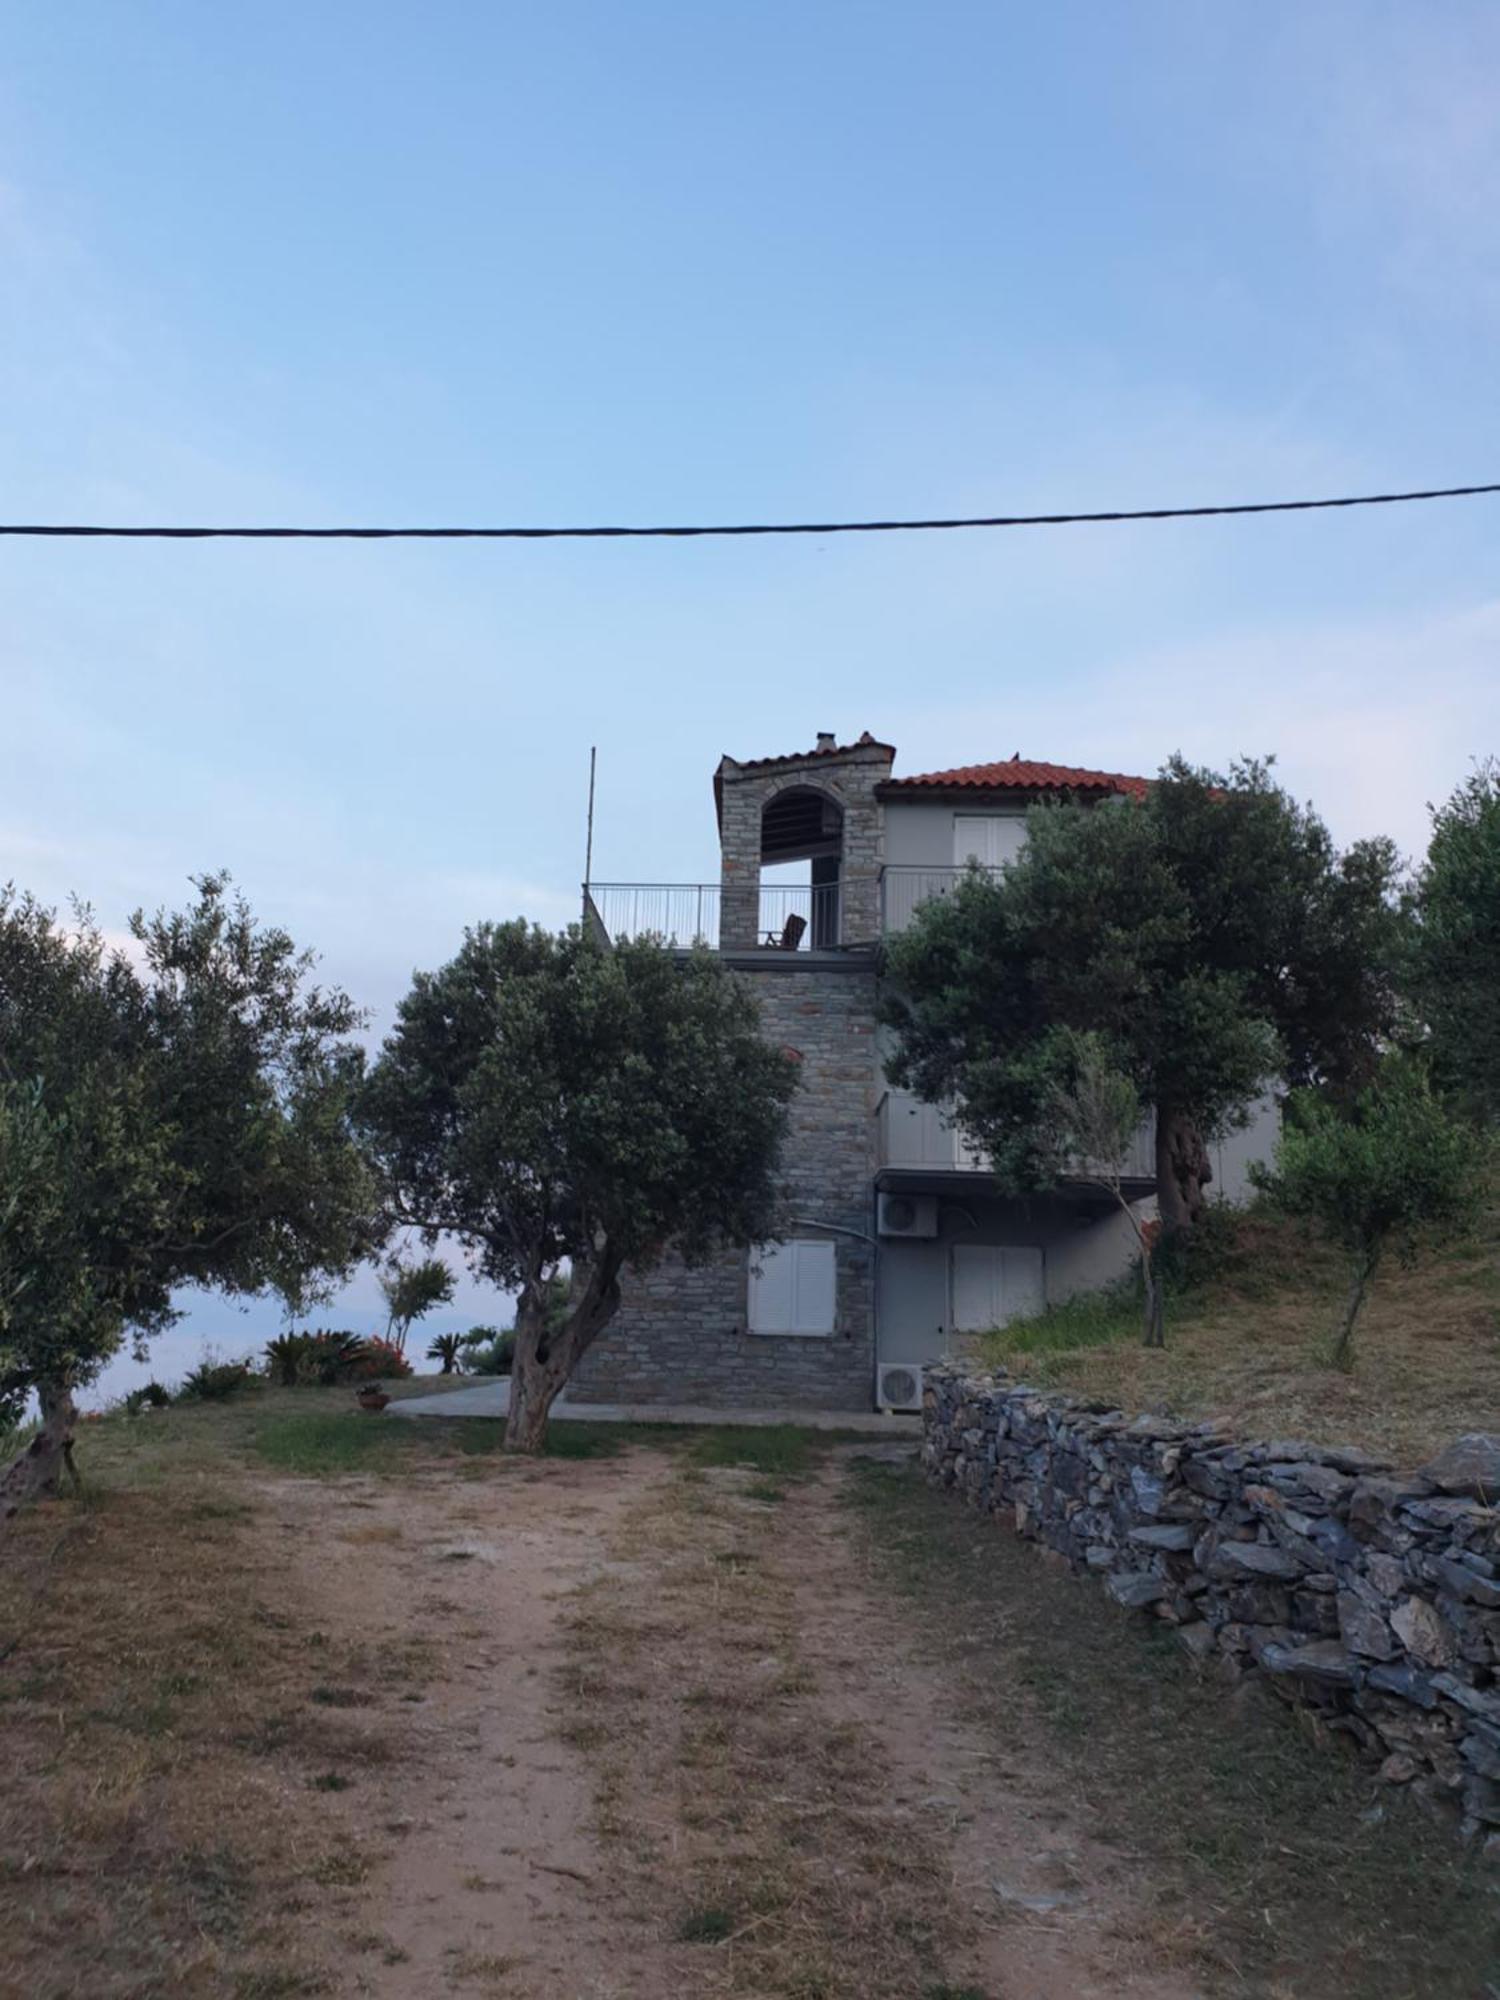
(898, 1385)
(908, 1215)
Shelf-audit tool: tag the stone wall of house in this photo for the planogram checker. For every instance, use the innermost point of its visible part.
(849, 776)
(681, 1336)
(1372, 1597)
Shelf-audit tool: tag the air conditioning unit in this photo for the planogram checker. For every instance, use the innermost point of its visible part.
(908, 1215)
(898, 1385)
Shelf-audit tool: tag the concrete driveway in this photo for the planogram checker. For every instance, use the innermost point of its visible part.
(491, 1398)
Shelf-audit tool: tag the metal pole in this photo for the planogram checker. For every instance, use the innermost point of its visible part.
(588, 855)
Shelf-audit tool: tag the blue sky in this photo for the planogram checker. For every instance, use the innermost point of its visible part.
(590, 262)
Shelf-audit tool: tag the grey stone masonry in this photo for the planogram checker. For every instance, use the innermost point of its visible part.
(681, 1336)
(1369, 1597)
(849, 776)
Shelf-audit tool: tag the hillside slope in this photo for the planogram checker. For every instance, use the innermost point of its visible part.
(1247, 1335)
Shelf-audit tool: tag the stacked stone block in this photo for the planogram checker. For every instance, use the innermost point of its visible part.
(1370, 1597)
(681, 1335)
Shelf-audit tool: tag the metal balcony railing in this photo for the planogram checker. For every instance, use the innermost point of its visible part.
(904, 888)
(915, 1137)
(800, 916)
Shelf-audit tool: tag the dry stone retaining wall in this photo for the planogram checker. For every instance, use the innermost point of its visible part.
(1371, 1597)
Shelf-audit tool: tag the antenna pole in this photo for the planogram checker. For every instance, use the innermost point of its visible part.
(588, 855)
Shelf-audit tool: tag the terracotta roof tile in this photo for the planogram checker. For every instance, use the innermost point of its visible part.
(1021, 774)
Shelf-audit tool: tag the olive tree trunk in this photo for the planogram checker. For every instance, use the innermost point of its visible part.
(36, 1472)
(1342, 1353)
(1183, 1171)
(544, 1361)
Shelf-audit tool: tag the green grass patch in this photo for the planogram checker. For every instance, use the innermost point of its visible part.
(1092, 1319)
(777, 1451)
(1300, 1873)
(324, 1444)
(710, 1925)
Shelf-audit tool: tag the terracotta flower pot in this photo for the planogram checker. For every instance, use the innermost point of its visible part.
(372, 1399)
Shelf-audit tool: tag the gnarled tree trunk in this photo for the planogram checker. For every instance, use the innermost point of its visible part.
(1183, 1171)
(544, 1362)
(36, 1472)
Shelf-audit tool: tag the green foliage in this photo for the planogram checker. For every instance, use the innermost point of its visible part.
(412, 1290)
(327, 1357)
(215, 1381)
(377, 1361)
(445, 1349)
(1456, 942)
(150, 1396)
(179, 1122)
(488, 1352)
(558, 1107)
(1384, 1172)
(1208, 935)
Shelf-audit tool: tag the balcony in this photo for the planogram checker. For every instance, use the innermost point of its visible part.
(797, 917)
(903, 890)
(919, 1138)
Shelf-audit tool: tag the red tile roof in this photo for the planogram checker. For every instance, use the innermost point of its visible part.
(865, 741)
(1021, 774)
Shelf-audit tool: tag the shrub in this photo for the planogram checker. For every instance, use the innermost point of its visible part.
(150, 1396)
(492, 1352)
(213, 1381)
(289, 1359)
(376, 1360)
(1384, 1172)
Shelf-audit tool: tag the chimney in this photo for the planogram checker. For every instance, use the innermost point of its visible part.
(825, 739)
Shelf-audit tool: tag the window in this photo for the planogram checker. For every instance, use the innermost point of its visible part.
(991, 839)
(792, 1287)
(992, 1286)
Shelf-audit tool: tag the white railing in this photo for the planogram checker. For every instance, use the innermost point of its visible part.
(904, 888)
(917, 1137)
(802, 916)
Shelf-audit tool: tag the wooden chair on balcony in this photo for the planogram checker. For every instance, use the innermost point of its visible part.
(791, 936)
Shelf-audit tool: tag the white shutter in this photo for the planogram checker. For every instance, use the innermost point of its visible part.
(991, 839)
(793, 1287)
(814, 1267)
(992, 1286)
(976, 1287)
(771, 1289)
(1023, 1292)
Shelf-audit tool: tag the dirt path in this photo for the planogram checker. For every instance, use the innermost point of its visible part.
(486, 1877)
(674, 1743)
(1049, 1911)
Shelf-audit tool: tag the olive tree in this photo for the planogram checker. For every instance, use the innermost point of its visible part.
(1379, 1174)
(1090, 1117)
(1210, 935)
(563, 1108)
(1456, 943)
(178, 1117)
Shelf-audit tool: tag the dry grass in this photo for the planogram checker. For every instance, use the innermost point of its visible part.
(1282, 1868)
(172, 1799)
(1249, 1345)
(748, 1827)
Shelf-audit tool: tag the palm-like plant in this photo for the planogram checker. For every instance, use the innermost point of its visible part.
(445, 1349)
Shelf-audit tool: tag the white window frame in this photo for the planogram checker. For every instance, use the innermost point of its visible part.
(793, 1289)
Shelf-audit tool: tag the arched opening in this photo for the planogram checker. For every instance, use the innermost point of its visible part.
(801, 856)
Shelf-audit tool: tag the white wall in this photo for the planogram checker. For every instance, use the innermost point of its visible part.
(1080, 1249)
(920, 835)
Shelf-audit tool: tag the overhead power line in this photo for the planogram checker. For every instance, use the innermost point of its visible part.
(94, 531)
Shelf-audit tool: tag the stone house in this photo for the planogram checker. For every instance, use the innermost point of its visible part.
(901, 1243)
